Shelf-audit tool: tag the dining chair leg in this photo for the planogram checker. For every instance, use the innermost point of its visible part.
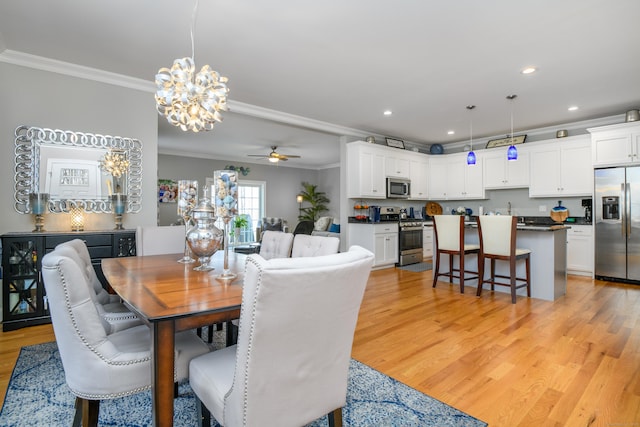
(232, 333)
(204, 416)
(335, 418)
(86, 412)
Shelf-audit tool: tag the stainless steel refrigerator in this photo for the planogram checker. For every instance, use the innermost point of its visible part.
(617, 222)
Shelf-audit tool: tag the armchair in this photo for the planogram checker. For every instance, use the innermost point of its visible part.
(271, 224)
(115, 316)
(98, 365)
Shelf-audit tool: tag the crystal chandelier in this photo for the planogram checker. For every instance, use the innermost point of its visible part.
(188, 99)
(114, 162)
(471, 156)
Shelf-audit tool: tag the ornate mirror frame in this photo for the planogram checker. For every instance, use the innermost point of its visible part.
(29, 140)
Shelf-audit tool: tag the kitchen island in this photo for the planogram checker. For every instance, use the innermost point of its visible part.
(548, 245)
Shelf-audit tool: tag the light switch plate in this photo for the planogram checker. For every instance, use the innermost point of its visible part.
(542, 208)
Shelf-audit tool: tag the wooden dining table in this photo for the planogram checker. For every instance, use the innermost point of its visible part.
(171, 297)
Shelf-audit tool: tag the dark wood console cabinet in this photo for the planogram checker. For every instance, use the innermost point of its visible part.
(24, 301)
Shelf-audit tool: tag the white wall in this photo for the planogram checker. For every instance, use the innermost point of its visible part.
(39, 98)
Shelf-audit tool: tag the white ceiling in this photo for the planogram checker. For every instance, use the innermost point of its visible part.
(345, 62)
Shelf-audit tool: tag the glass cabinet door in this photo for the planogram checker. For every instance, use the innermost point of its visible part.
(25, 296)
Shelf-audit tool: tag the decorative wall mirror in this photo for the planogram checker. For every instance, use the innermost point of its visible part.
(70, 167)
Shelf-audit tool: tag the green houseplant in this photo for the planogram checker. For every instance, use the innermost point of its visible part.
(318, 201)
(239, 222)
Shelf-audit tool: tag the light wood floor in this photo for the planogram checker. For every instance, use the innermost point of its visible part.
(573, 362)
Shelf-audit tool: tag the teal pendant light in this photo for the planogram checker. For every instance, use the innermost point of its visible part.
(471, 156)
(512, 151)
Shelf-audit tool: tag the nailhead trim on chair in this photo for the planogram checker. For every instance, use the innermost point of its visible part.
(77, 330)
(250, 259)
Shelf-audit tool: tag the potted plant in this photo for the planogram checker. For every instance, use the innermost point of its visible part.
(318, 201)
(239, 222)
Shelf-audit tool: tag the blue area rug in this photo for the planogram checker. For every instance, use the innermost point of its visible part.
(38, 396)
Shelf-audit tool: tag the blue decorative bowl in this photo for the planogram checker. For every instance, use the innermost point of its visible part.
(436, 149)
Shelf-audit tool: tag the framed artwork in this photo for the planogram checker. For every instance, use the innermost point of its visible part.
(167, 190)
(518, 139)
(395, 143)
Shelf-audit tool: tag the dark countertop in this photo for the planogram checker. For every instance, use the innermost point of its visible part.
(536, 223)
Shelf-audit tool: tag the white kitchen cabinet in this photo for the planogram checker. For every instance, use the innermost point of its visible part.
(450, 178)
(427, 242)
(381, 239)
(580, 250)
(396, 164)
(561, 168)
(438, 177)
(615, 145)
(501, 173)
(386, 249)
(419, 176)
(365, 166)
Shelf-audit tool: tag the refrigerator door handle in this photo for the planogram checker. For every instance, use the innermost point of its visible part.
(627, 209)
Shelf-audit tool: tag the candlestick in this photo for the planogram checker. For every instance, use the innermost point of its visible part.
(39, 203)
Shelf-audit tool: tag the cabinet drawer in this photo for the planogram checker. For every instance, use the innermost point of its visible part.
(51, 242)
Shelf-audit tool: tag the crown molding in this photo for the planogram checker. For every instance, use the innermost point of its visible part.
(294, 120)
(544, 133)
(65, 68)
(74, 70)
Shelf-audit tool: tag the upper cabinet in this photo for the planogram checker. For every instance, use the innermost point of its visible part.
(365, 166)
(561, 168)
(502, 173)
(615, 145)
(450, 178)
(397, 164)
(419, 175)
(368, 166)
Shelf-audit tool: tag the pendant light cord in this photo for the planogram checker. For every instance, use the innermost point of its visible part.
(511, 98)
(193, 29)
(470, 108)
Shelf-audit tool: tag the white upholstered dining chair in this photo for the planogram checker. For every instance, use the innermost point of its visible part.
(276, 244)
(114, 314)
(291, 362)
(98, 365)
(159, 240)
(307, 245)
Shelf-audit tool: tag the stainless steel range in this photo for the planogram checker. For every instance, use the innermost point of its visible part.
(410, 241)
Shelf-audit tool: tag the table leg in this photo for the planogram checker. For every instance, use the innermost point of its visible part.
(163, 338)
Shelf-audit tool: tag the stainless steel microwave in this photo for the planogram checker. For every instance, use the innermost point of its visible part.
(398, 188)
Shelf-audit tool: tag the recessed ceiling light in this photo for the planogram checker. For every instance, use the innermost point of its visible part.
(388, 112)
(529, 70)
(451, 132)
(573, 108)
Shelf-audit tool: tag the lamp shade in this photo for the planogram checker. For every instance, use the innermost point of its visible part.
(512, 153)
(471, 158)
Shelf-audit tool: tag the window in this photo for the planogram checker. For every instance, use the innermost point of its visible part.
(250, 203)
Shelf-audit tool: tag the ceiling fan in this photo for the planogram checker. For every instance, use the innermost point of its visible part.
(274, 157)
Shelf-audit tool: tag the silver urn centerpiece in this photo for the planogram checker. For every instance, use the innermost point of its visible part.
(204, 238)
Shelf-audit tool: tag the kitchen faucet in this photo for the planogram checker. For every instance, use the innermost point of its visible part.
(508, 208)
